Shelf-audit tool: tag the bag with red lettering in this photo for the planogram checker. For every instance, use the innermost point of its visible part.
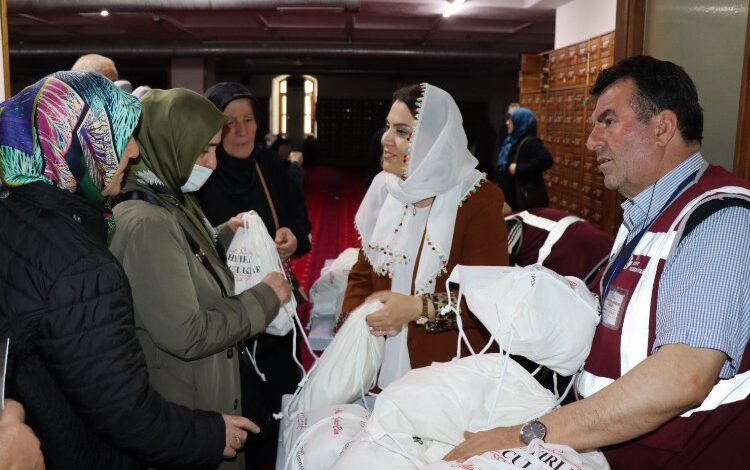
(537, 456)
(251, 255)
(317, 438)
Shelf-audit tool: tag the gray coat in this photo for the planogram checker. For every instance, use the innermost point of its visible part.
(188, 330)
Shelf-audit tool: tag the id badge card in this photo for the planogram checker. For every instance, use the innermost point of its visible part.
(613, 308)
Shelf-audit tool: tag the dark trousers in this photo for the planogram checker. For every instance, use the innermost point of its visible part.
(261, 399)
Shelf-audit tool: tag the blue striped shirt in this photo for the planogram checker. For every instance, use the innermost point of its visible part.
(704, 291)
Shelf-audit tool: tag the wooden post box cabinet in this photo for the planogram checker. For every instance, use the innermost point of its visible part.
(555, 86)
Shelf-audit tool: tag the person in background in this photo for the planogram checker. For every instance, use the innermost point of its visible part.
(141, 91)
(124, 85)
(19, 447)
(310, 149)
(188, 323)
(512, 107)
(74, 362)
(522, 160)
(249, 177)
(96, 63)
(427, 211)
(667, 382)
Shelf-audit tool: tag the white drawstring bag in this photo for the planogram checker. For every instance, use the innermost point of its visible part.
(552, 318)
(251, 255)
(363, 454)
(347, 369)
(438, 403)
(317, 438)
(537, 456)
(327, 292)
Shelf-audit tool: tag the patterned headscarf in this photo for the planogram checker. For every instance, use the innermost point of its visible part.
(68, 129)
(524, 124)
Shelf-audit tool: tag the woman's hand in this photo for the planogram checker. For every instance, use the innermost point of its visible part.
(286, 243)
(237, 427)
(397, 311)
(280, 286)
(236, 221)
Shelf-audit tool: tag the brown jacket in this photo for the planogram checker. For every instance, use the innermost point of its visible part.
(480, 239)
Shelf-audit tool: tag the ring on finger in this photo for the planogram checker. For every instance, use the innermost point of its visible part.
(238, 441)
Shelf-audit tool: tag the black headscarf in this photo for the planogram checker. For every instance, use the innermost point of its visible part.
(234, 186)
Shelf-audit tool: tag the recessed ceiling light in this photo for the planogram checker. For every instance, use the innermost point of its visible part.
(104, 12)
(452, 8)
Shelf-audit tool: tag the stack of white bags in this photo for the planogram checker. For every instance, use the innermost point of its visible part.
(327, 292)
(422, 416)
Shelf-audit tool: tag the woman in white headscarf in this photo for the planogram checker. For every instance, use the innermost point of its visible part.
(428, 210)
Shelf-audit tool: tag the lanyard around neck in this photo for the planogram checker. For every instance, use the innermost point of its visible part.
(618, 263)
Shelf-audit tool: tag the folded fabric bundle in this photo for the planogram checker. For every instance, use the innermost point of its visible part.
(537, 456)
(327, 292)
(347, 369)
(438, 403)
(318, 437)
(533, 312)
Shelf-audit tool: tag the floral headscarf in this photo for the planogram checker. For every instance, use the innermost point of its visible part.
(68, 129)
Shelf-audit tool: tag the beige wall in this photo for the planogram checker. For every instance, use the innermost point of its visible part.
(707, 38)
(579, 20)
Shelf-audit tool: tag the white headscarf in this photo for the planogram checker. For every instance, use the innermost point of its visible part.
(391, 229)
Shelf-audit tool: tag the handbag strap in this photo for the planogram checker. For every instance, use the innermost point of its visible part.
(137, 195)
(518, 150)
(268, 195)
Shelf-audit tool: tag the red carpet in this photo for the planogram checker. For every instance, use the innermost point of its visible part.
(332, 196)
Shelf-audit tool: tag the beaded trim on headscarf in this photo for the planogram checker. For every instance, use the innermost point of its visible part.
(416, 112)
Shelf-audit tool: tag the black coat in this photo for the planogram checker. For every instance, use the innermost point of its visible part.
(75, 362)
(235, 187)
(531, 161)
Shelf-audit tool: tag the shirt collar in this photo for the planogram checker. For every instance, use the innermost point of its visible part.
(649, 202)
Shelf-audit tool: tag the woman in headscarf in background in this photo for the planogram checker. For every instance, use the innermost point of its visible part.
(74, 361)
(187, 322)
(522, 161)
(429, 210)
(250, 177)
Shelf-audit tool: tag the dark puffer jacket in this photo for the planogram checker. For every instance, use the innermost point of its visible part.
(75, 363)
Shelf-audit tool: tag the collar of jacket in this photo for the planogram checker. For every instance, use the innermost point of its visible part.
(76, 210)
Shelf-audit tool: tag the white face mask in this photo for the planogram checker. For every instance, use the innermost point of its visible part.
(198, 177)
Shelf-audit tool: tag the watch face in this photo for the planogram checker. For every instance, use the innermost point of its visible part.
(533, 430)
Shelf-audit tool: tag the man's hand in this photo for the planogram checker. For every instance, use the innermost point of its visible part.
(667, 383)
(280, 286)
(236, 435)
(286, 243)
(398, 310)
(19, 447)
(478, 443)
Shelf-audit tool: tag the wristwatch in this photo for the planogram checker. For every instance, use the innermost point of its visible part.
(533, 430)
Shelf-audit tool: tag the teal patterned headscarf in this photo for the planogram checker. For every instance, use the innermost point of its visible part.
(68, 129)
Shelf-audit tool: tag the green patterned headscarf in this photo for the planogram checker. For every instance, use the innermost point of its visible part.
(177, 125)
(68, 129)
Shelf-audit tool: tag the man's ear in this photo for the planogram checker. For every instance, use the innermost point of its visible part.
(665, 127)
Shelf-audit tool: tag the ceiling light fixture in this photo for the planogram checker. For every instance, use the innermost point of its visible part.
(104, 12)
(452, 8)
